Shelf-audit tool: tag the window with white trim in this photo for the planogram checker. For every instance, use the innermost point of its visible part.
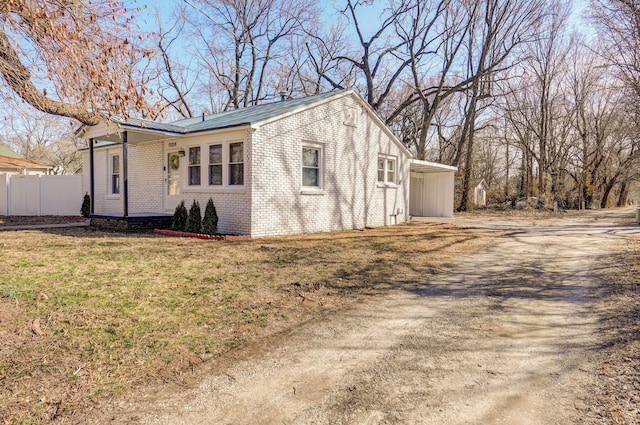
(215, 165)
(386, 170)
(115, 174)
(312, 166)
(236, 164)
(194, 166)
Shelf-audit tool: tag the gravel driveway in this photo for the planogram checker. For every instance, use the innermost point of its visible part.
(507, 336)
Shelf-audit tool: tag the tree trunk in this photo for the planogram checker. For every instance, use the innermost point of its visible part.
(622, 196)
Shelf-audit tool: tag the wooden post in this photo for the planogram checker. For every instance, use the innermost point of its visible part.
(92, 183)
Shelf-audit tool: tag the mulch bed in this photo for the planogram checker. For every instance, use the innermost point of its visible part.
(36, 220)
(176, 233)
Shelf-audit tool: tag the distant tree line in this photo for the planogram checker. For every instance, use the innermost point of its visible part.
(506, 90)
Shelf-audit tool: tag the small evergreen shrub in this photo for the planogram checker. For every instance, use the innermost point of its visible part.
(194, 221)
(180, 218)
(85, 209)
(210, 221)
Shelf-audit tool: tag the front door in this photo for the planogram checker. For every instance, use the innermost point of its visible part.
(172, 194)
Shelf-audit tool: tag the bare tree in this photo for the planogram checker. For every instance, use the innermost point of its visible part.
(501, 26)
(71, 57)
(175, 77)
(41, 137)
(619, 25)
(241, 41)
(377, 62)
(433, 37)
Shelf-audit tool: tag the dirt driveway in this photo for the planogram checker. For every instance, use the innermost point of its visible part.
(508, 336)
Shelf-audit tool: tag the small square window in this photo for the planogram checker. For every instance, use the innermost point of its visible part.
(386, 170)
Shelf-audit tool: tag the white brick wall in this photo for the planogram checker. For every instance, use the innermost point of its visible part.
(233, 204)
(351, 197)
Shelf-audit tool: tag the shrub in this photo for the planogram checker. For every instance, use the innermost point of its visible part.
(180, 218)
(194, 221)
(210, 221)
(85, 209)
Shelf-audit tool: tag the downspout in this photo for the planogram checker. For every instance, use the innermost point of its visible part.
(91, 177)
(125, 174)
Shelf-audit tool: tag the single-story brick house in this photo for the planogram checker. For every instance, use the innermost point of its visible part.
(321, 163)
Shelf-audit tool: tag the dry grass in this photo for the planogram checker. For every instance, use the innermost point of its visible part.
(86, 316)
(616, 397)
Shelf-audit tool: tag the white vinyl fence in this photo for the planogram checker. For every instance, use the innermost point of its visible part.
(40, 195)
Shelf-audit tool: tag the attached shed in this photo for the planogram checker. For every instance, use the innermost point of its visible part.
(431, 189)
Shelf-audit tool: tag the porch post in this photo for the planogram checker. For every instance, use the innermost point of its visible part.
(91, 177)
(125, 174)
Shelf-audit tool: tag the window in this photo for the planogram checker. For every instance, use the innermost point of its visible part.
(310, 167)
(391, 173)
(115, 174)
(313, 167)
(194, 166)
(386, 170)
(236, 164)
(215, 165)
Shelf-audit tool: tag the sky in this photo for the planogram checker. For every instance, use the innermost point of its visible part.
(369, 16)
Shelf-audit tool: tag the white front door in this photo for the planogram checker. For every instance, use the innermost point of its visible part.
(172, 181)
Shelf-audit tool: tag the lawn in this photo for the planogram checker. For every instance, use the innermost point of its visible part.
(86, 316)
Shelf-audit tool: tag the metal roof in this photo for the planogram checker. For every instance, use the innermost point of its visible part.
(420, 166)
(151, 125)
(251, 115)
(236, 118)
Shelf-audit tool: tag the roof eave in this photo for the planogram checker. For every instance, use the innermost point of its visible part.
(421, 166)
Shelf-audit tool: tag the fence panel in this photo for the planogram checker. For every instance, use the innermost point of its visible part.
(40, 195)
(4, 193)
(60, 195)
(24, 195)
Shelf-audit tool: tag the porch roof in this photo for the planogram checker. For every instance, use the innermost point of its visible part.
(420, 166)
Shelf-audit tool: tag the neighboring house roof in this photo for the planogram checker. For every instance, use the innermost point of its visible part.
(13, 162)
(6, 151)
(482, 184)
